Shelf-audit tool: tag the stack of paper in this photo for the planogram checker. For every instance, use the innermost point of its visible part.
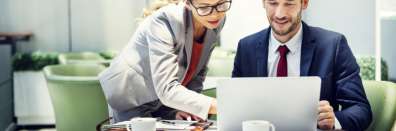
(160, 125)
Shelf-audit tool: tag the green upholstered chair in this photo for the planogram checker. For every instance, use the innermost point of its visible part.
(382, 98)
(81, 58)
(78, 100)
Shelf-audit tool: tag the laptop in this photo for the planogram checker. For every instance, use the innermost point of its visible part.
(290, 103)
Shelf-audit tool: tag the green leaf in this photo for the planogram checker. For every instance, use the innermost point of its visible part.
(33, 61)
(367, 68)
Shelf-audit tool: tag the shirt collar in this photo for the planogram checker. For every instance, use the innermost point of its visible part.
(292, 44)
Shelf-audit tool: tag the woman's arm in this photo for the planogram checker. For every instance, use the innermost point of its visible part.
(164, 68)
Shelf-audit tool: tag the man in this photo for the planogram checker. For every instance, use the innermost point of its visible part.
(292, 48)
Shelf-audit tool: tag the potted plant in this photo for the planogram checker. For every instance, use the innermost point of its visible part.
(32, 101)
(367, 68)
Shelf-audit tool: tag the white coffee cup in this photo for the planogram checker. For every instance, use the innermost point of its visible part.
(143, 124)
(257, 125)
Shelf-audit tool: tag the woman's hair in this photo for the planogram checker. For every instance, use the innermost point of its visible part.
(157, 4)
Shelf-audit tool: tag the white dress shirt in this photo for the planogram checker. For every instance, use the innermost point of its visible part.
(293, 57)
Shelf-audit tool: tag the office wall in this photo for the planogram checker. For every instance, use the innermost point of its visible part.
(353, 18)
(120, 21)
(47, 19)
(355, 22)
(104, 24)
(244, 18)
(388, 43)
(388, 5)
(388, 39)
(95, 25)
(87, 30)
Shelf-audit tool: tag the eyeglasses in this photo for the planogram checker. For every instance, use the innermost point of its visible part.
(207, 10)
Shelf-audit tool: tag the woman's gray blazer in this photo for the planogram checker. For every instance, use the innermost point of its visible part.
(155, 61)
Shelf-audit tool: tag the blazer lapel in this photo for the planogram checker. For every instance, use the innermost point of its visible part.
(307, 50)
(208, 43)
(262, 53)
(189, 37)
(186, 40)
(210, 38)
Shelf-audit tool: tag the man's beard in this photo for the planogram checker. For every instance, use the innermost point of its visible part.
(294, 25)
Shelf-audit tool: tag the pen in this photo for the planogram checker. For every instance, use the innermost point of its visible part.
(167, 122)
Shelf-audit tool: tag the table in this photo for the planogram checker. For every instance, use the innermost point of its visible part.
(212, 128)
(12, 37)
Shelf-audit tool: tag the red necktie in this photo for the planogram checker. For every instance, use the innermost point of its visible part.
(282, 64)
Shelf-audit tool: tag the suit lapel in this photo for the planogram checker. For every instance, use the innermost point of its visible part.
(262, 53)
(307, 51)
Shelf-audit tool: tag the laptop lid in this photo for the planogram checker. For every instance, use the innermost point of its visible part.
(290, 103)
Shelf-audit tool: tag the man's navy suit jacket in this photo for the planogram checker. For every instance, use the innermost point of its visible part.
(325, 54)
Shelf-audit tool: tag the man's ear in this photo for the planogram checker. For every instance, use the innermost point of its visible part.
(305, 4)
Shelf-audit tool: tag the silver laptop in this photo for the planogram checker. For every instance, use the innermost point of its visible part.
(290, 103)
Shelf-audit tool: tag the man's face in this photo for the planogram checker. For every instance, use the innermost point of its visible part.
(284, 15)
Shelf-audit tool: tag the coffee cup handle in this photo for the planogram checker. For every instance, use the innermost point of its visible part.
(272, 127)
(129, 127)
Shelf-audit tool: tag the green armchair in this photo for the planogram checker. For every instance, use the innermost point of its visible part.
(81, 58)
(78, 100)
(382, 98)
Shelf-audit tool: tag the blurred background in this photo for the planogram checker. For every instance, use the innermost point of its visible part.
(37, 33)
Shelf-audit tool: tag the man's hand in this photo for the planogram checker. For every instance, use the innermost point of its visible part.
(326, 117)
(181, 115)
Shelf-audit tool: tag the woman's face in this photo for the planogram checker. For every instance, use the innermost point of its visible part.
(209, 12)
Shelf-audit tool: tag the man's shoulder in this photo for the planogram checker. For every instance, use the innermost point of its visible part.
(322, 34)
(255, 38)
(325, 40)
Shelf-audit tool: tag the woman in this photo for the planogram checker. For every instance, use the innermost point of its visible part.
(161, 70)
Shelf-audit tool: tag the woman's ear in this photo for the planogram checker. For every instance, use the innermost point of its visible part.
(264, 4)
(187, 4)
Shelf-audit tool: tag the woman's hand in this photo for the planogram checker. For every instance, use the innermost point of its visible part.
(181, 115)
(213, 107)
